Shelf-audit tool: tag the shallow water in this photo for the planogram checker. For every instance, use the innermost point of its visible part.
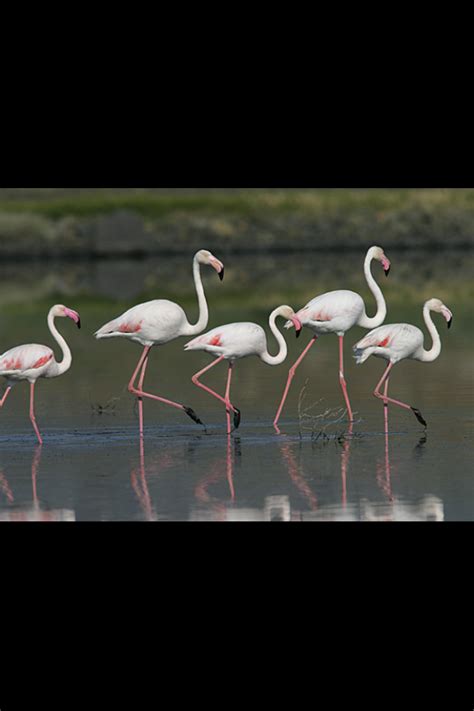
(90, 466)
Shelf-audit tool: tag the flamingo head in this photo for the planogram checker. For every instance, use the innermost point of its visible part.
(62, 311)
(206, 257)
(379, 254)
(293, 320)
(437, 305)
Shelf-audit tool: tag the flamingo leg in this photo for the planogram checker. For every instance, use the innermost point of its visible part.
(291, 375)
(342, 379)
(385, 406)
(386, 399)
(32, 412)
(140, 399)
(226, 402)
(5, 395)
(141, 393)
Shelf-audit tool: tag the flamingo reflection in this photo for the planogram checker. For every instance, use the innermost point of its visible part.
(33, 512)
(429, 508)
(140, 486)
(296, 473)
(214, 475)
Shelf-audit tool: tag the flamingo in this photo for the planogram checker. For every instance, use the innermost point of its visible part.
(32, 361)
(397, 341)
(157, 322)
(336, 312)
(238, 340)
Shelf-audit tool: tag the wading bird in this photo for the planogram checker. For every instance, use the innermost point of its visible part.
(337, 312)
(157, 322)
(238, 340)
(33, 361)
(397, 341)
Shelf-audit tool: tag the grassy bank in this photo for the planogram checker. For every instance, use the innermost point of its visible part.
(55, 222)
(57, 203)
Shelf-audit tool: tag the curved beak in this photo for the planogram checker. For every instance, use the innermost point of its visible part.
(297, 324)
(70, 313)
(218, 266)
(386, 265)
(447, 315)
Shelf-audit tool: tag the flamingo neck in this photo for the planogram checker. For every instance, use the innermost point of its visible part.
(377, 320)
(65, 364)
(435, 350)
(193, 330)
(283, 351)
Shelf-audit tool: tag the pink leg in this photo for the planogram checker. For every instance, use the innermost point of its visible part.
(291, 375)
(32, 412)
(140, 393)
(5, 395)
(140, 400)
(415, 411)
(227, 396)
(385, 406)
(225, 400)
(341, 378)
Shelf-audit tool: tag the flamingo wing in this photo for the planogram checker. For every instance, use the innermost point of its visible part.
(31, 356)
(153, 321)
(232, 340)
(396, 340)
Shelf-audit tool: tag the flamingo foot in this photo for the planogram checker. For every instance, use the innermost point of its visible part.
(418, 416)
(236, 417)
(190, 412)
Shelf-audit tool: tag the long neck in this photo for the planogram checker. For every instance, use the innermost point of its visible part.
(435, 349)
(379, 317)
(282, 353)
(65, 364)
(203, 310)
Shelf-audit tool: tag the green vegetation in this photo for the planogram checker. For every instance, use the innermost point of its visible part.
(154, 203)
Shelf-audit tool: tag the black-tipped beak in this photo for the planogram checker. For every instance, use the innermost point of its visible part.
(387, 271)
(78, 324)
(221, 274)
(298, 331)
(450, 322)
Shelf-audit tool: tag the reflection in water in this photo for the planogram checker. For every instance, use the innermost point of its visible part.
(140, 486)
(296, 474)
(33, 512)
(217, 508)
(429, 508)
(140, 475)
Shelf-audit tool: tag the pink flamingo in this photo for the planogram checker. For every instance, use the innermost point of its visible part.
(397, 341)
(337, 312)
(157, 322)
(238, 340)
(33, 361)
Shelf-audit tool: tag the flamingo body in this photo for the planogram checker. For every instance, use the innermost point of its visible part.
(238, 340)
(232, 341)
(157, 322)
(398, 341)
(152, 323)
(337, 312)
(33, 360)
(394, 342)
(332, 312)
(28, 362)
